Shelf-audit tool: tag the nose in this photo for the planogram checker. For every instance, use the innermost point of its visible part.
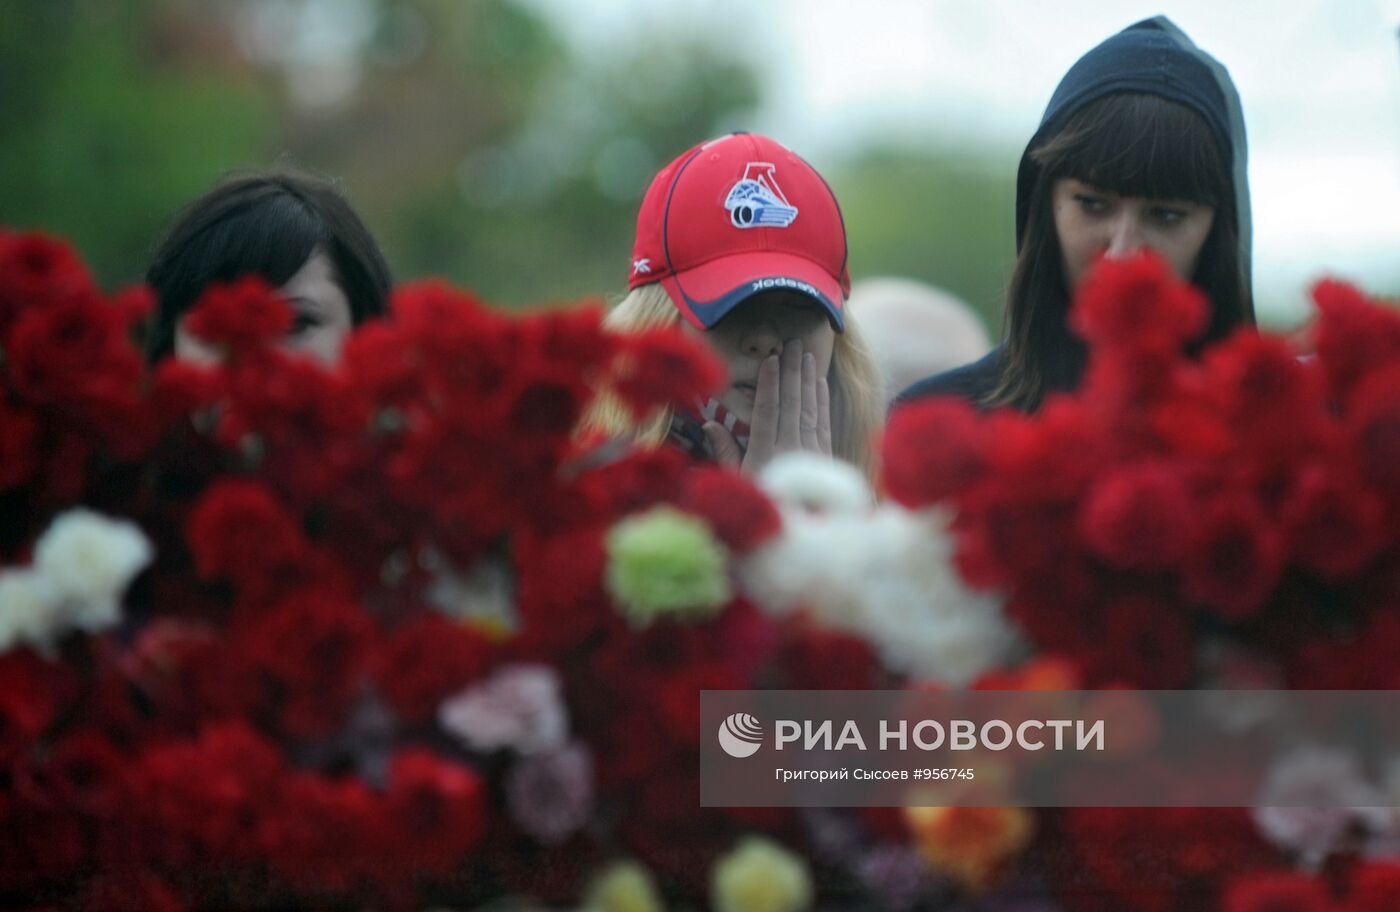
(761, 340)
(1124, 237)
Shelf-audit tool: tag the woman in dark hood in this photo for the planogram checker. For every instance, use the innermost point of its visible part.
(1142, 145)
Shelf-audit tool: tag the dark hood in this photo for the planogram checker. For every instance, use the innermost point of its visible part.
(1153, 57)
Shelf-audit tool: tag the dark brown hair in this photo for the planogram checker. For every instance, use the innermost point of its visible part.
(1131, 144)
(265, 224)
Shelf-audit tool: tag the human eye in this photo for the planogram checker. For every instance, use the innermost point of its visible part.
(303, 322)
(1091, 203)
(1168, 215)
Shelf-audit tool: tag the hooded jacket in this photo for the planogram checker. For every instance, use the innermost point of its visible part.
(1152, 57)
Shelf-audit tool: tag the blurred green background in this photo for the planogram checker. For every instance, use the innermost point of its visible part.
(475, 142)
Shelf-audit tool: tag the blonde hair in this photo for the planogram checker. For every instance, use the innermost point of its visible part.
(857, 397)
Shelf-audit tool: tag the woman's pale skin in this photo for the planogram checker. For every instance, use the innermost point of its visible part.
(778, 347)
(1093, 223)
(321, 317)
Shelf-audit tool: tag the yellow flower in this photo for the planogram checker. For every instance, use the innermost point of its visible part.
(624, 886)
(970, 844)
(759, 875)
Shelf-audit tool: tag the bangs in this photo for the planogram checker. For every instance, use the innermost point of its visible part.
(272, 238)
(1139, 145)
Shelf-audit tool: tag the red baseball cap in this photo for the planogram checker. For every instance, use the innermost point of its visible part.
(737, 216)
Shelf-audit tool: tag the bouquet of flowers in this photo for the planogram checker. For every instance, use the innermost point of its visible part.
(389, 635)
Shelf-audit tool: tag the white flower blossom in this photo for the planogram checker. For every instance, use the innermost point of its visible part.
(519, 707)
(89, 560)
(29, 610)
(881, 572)
(1313, 798)
(82, 565)
(816, 484)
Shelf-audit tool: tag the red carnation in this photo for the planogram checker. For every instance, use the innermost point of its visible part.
(241, 315)
(323, 835)
(545, 403)
(435, 810)
(1147, 642)
(1332, 523)
(1277, 891)
(75, 353)
(1235, 557)
(573, 336)
(1138, 304)
(1375, 887)
(1373, 417)
(1137, 516)
(238, 531)
(32, 693)
(740, 514)
(180, 387)
(36, 272)
(19, 436)
(83, 773)
(1354, 334)
(312, 653)
(429, 659)
(817, 658)
(200, 801)
(932, 451)
(664, 366)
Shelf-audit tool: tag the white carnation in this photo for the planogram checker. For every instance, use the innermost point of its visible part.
(30, 613)
(1313, 798)
(520, 707)
(817, 484)
(882, 572)
(89, 560)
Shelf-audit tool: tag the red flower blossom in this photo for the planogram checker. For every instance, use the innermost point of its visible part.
(436, 813)
(1332, 523)
(37, 272)
(429, 659)
(19, 435)
(243, 315)
(932, 451)
(1235, 557)
(815, 658)
(1146, 642)
(1277, 891)
(312, 652)
(322, 835)
(200, 801)
(1137, 517)
(238, 531)
(82, 773)
(75, 354)
(1354, 336)
(1373, 417)
(1375, 887)
(1138, 304)
(180, 388)
(736, 509)
(664, 366)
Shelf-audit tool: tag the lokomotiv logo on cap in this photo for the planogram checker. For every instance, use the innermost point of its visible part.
(757, 201)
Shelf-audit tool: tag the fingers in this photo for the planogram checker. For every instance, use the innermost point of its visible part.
(763, 428)
(808, 423)
(824, 415)
(790, 397)
(723, 444)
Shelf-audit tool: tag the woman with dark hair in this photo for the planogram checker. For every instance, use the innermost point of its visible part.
(295, 231)
(1141, 146)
